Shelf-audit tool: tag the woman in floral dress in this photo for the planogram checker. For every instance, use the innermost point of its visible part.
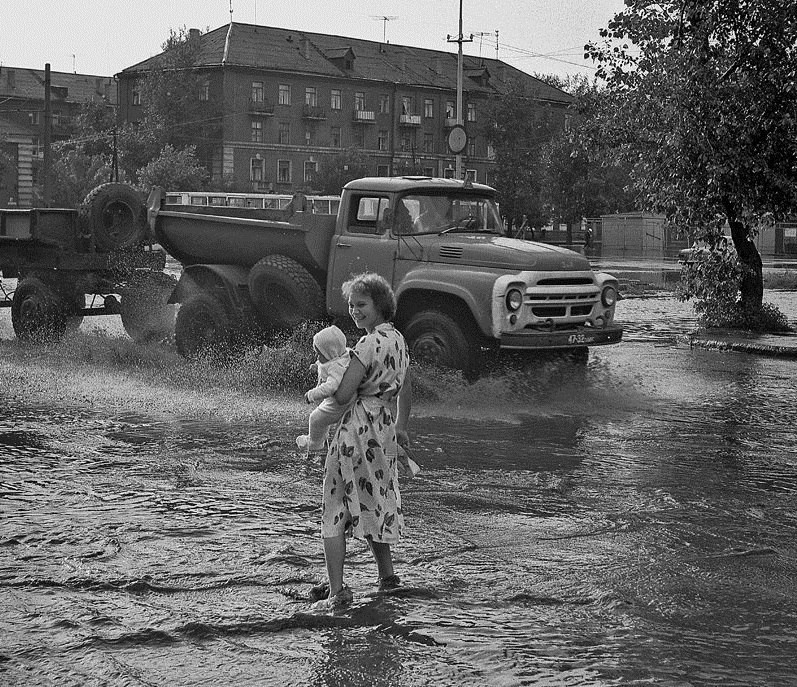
(361, 493)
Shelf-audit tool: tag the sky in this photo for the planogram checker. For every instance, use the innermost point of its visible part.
(103, 38)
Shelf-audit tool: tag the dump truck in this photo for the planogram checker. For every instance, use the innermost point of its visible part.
(462, 287)
(97, 259)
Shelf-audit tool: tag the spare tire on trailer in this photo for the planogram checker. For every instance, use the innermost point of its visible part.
(115, 215)
(284, 293)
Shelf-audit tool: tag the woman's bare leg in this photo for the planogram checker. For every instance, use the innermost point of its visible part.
(334, 555)
(383, 558)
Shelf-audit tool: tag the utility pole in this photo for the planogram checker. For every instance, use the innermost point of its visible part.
(48, 124)
(460, 121)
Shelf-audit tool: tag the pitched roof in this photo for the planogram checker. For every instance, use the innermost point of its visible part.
(21, 82)
(288, 50)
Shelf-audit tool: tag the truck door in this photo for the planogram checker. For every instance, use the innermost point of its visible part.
(363, 244)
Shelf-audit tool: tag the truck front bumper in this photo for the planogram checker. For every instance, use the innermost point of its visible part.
(573, 337)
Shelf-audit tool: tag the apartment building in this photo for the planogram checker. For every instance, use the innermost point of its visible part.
(287, 101)
(22, 96)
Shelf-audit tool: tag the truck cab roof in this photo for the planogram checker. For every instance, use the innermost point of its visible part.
(415, 183)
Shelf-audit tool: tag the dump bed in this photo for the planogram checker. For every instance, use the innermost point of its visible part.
(237, 236)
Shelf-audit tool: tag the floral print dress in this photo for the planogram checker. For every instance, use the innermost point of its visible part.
(361, 494)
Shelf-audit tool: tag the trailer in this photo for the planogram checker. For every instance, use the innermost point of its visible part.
(98, 259)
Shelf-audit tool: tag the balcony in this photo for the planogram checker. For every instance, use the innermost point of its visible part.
(261, 107)
(313, 112)
(450, 122)
(365, 116)
(410, 120)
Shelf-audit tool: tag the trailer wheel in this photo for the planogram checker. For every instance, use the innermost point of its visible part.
(285, 293)
(116, 215)
(146, 313)
(203, 328)
(435, 337)
(38, 315)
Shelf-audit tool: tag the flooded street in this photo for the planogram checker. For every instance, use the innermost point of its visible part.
(628, 522)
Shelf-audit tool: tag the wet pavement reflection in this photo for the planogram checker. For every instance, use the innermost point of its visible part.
(627, 522)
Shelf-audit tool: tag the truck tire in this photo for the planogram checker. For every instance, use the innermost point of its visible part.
(284, 293)
(435, 337)
(146, 314)
(115, 215)
(203, 328)
(38, 315)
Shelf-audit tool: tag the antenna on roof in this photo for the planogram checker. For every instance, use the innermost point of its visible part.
(230, 11)
(384, 19)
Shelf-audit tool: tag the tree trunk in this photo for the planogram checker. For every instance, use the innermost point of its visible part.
(752, 286)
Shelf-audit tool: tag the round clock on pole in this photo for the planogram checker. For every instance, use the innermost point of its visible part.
(457, 139)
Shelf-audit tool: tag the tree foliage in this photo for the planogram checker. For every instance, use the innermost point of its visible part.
(701, 102)
(517, 126)
(173, 169)
(340, 169)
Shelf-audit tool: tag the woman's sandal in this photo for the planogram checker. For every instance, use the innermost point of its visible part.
(389, 582)
(336, 602)
(319, 591)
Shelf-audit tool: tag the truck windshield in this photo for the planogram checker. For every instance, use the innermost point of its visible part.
(442, 213)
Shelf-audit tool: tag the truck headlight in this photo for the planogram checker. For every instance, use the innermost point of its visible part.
(609, 296)
(514, 299)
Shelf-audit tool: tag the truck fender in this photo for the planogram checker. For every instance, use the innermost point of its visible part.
(438, 284)
(225, 282)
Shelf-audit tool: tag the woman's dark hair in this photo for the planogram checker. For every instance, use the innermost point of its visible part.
(378, 288)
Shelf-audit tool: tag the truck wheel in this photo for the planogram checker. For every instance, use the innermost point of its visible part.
(116, 215)
(146, 314)
(38, 315)
(434, 337)
(284, 292)
(202, 328)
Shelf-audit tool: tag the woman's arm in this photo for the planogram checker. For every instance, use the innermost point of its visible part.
(404, 409)
(351, 381)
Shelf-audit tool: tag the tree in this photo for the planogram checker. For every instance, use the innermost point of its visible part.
(702, 103)
(174, 169)
(517, 127)
(340, 169)
(171, 92)
(580, 180)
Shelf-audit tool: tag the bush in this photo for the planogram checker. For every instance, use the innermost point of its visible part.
(713, 280)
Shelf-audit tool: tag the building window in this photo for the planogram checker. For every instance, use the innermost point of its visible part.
(428, 108)
(257, 131)
(284, 133)
(382, 170)
(311, 96)
(335, 99)
(285, 94)
(359, 101)
(428, 143)
(257, 169)
(472, 147)
(381, 139)
(310, 169)
(136, 97)
(406, 142)
(284, 171)
(34, 118)
(204, 91)
(309, 138)
(257, 92)
(451, 110)
(471, 112)
(406, 105)
(384, 104)
(335, 135)
(359, 137)
(470, 175)
(428, 171)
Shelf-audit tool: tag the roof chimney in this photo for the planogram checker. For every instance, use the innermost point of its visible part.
(194, 35)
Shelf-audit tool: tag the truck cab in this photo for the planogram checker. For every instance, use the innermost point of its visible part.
(460, 283)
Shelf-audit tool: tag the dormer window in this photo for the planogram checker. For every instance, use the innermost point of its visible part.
(343, 58)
